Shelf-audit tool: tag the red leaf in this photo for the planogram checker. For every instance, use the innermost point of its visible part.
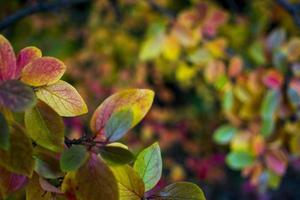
(7, 60)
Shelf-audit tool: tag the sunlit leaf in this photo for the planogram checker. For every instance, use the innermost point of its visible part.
(45, 127)
(267, 127)
(149, 166)
(7, 60)
(73, 158)
(138, 100)
(224, 134)
(256, 53)
(10, 182)
(118, 124)
(116, 155)
(63, 98)
(102, 184)
(181, 190)
(43, 71)
(18, 158)
(293, 49)
(131, 186)
(34, 190)
(16, 96)
(25, 56)
(4, 133)
(239, 160)
(171, 48)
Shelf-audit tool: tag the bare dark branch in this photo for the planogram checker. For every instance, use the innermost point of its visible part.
(292, 9)
(37, 8)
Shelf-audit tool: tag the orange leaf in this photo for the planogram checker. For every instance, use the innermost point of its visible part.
(43, 71)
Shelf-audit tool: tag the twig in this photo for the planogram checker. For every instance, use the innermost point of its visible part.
(292, 9)
(37, 8)
(166, 12)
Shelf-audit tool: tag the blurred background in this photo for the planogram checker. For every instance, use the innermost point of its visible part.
(226, 74)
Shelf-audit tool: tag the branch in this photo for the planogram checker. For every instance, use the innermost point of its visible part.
(166, 12)
(37, 8)
(292, 9)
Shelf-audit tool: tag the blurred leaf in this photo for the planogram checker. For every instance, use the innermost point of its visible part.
(131, 186)
(34, 190)
(267, 127)
(239, 160)
(4, 133)
(63, 98)
(45, 127)
(270, 104)
(73, 158)
(43, 71)
(116, 155)
(181, 190)
(149, 166)
(276, 161)
(118, 124)
(224, 134)
(256, 53)
(16, 96)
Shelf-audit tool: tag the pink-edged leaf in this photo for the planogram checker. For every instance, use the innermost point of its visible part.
(276, 161)
(7, 60)
(138, 100)
(16, 96)
(63, 98)
(10, 182)
(43, 71)
(25, 56)
(34, 191)
(273, 79)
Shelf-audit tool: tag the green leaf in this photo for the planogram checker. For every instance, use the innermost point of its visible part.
(116, 155)
(45, 127)
(131, 186)
(149, 165)
(256, 53)
(270, 104)
(118, 124)
(239, 160)
(16, 96)
(18, 158)
(4, 133)
(73, 158)
(95, 181)
(180, 191)
(224, 134)
(267, 127)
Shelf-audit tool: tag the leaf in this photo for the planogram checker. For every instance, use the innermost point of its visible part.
(131, 186)
(7, 60)
(138, 100)
(239, 160)
(47, 163)
(102, 184)
(10, 182)
(4, 133)
(34, 190)
(73, 158)
(43, 71)
(256, 53)
(16, 96)
(276, 161)
(118, 124)
(267, 127)
(149, 165)
(63, 98)
(180, 191)
(116, 155)
(25, 56)
(45, 127)
(152, 46)
(18, 159)
(270, 104)
(224, 134)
